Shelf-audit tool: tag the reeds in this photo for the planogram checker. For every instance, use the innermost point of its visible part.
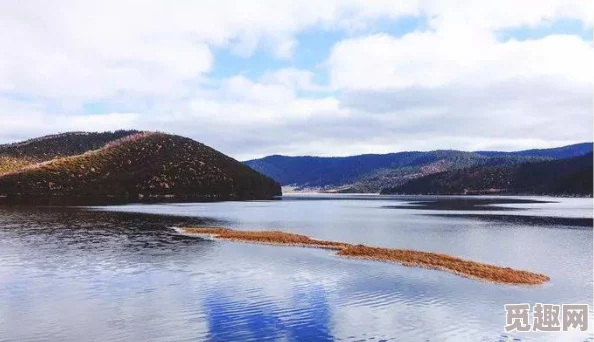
(444, 262)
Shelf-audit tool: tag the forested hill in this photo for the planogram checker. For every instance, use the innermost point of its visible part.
(572, 176)
(325, 171)
(140, 164)
(374, 172)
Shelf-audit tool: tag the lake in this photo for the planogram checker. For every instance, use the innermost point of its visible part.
(124, 273)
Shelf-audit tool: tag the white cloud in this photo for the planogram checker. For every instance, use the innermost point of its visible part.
(243, 104)
(149, 64)
(92, 49)
(96, 49)
(293, 78)
(468, 90)
(431, 59)
(462, 15)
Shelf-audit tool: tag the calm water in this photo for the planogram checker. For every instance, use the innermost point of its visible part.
(123, 273)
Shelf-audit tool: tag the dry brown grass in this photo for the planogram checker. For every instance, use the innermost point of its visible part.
(266, 237)
(444, 262)
(10, 164)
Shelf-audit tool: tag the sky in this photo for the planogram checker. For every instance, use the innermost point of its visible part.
(329, 78)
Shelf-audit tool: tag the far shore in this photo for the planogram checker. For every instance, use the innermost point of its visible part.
(469, 195)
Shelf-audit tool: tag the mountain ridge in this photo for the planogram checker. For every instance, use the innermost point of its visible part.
(373, 172)
(586, 146)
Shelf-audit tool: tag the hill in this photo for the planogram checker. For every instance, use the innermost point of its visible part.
(322, 171)
(572, 176)
(373, 172)
(17, 155)
(144, 164)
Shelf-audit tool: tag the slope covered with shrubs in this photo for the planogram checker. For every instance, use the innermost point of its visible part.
(15, 156)
(142, 165)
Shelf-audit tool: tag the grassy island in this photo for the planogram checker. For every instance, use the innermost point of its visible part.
(444, 262)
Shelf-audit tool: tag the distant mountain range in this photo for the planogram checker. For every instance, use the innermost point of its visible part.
(128, 164)
(571, 176)
(390, 172)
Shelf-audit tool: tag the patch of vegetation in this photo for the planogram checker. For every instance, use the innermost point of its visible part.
(18, 155)
(61, 145)
(444, 262)
(10, 164)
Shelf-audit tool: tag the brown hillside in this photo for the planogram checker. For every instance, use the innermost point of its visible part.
(146, 165)
(32, 151)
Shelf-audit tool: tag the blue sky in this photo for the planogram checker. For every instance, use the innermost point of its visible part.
(287, 77)
(313, 47)
(561, 26)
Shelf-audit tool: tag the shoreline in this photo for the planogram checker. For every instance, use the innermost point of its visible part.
(523, 195)
(411, 258)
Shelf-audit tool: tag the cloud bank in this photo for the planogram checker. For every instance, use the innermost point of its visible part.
(302, 77)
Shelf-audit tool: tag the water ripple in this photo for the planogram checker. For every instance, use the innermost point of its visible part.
(74, 275)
